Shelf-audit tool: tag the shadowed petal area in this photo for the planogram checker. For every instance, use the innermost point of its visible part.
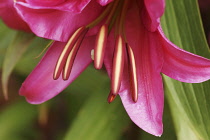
(40, 86)
(8, 14)
(147, 111)
(104, 2)
(182, 65)
(152, 12)
(54, 24)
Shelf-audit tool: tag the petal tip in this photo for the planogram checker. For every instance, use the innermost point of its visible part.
(30, 96)
(157, 130)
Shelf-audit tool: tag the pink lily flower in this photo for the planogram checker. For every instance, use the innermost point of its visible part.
(126, 36)
(10, 16)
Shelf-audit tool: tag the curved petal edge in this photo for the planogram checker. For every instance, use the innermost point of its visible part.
(182, 65)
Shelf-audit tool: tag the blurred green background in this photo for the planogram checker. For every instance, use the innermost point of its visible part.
(81, 111)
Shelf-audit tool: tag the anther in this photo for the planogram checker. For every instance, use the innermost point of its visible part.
(71, 58)
(92, 54)
(63, 56)
(100, 45)
(111, 97)
(118, 65)
(132, 74)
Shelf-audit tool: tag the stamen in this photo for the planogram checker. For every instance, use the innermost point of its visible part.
(118, 64)
(122, 17)
(92, 54)
(101, 17)
(111, 97)
(100, 45)
(70, 60)
(115, 4)
(63, 56)
(72, 56)
(132, 74)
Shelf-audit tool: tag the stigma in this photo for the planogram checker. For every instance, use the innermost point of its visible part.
(112, 18)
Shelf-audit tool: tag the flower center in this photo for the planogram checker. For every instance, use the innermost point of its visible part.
(114, 17)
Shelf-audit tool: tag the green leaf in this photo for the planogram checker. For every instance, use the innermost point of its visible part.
(184, 130)
(182, 25)
(16, 121)
(189, 102)
(30, 57)
(6, 35)
(13, 54)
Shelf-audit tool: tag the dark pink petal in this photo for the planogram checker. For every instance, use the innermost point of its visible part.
(152, 12)
(147, 111)
(104, 2)
(45, 2)
(182, 65)
(9, 15)
(75, 6)
(40, 86)
(54, 24)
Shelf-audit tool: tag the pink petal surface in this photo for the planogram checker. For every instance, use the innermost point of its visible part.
(10, 17)
(152, 12)
(147, 111)
(45, 2)
(104, 2)
(75, 6)
(182, 65)
(54, 24)
(40, 86)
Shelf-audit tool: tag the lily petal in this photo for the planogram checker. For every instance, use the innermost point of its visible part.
(40, 86)
(104, 2)
(9, 14)
(147, 111)
(50, 23)
(182, 65)
(75, 6)
(152, 12)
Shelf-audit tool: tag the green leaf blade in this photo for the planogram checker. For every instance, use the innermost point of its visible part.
(188, 102)
(98, 120)
(14, 52)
